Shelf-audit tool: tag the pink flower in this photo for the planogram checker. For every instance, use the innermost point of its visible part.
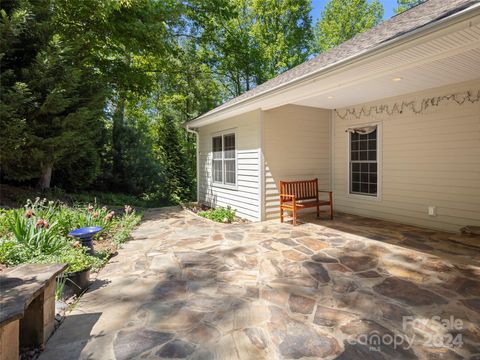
(128, 209)
(29, 213)
(110, 216)
(90, 208)
(42, 224)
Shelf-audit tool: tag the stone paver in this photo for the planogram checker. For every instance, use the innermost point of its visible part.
(188, 288)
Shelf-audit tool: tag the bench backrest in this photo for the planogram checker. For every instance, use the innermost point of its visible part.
(303, 189)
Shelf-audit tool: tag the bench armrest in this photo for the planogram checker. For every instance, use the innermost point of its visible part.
(293, 197)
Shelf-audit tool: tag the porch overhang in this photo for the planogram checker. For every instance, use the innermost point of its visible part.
(445, 52)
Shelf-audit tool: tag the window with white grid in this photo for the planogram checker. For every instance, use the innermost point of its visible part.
(364, 163)
(224, 159)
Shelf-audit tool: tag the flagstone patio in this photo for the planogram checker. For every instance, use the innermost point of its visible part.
(189, 288)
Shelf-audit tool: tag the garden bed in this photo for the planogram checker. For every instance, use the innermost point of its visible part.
(219, 214)
(38, 233)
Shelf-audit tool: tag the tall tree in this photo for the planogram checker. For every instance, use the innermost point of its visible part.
(343, 19)
(62, 61)
(177, 186)
(51, 106)
(127, 41)
(255, 41)
(403, 5)
(283, 32)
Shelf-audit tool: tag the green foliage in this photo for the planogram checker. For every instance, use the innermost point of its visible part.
(223, 215)
(35, 234)
(283, 32)
(177, 183)
(121, 229)
(255, 40)
(114, 199)
(343, 19)
(31, 238)
(94, 93)
(76, 258)
(18, 196)
(8, 254)
(45, 89)
(403, 5)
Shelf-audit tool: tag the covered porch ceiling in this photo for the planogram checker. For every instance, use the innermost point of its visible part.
(442, 55)
(445, 58)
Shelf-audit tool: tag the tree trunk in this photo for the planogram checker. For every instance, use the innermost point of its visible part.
(45, 177)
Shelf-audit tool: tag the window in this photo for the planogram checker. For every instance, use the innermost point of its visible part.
(224, 159)
(364, 161)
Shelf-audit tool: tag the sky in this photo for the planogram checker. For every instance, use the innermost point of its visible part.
(388, 6)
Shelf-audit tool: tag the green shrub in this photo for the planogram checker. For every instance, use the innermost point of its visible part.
(121, 227)
(76, 258)
(7, 252)
(5, 216)
(79, 216)
(36, 234)
(223, 215)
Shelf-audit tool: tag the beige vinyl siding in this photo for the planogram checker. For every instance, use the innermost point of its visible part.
(296, 146)
(245, 197)
(428, 159)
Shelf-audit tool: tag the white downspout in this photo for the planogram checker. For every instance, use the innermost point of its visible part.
(197, 160)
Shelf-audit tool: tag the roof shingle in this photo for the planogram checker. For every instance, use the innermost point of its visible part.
(410, 20)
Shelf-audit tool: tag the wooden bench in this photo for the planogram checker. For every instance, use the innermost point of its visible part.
(295, 195)
(27, 307)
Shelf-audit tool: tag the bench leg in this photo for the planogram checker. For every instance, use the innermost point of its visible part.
(9, 341)
(294, 213)
(38, 322)
(318, 211)
(281, 215)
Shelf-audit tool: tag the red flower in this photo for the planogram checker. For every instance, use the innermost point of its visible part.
(29, 213)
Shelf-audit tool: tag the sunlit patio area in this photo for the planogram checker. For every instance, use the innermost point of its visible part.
(351, 288)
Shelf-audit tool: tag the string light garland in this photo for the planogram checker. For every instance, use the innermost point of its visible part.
(459, 98)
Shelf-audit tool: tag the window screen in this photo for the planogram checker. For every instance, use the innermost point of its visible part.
(224, 161)
(363, 163)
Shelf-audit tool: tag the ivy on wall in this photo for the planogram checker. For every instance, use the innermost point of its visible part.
(413, 106)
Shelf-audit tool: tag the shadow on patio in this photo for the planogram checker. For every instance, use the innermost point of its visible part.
(190, 288)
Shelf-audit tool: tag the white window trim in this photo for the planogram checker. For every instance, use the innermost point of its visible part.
(378, 197)
(222, 184)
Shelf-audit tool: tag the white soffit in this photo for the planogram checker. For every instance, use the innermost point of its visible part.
(447, 60)
(446, 56)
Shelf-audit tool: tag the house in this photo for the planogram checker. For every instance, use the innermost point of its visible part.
(389, 120)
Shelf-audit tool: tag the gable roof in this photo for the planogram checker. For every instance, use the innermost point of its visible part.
(406, 22)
